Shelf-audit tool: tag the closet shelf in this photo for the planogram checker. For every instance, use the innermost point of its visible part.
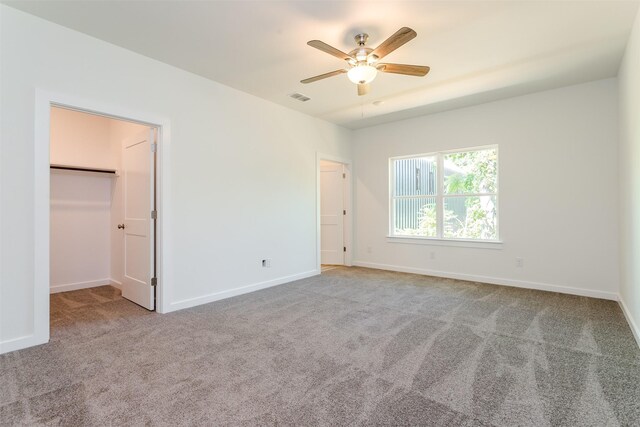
(84, 169)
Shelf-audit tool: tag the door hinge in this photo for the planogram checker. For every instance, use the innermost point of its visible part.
(154, 147)
(154, 281)
(344, 249)
(154, 214)
(344, 212)
(344, 175)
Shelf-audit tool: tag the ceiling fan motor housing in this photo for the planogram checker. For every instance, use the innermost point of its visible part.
(361, 39)
(361, 53)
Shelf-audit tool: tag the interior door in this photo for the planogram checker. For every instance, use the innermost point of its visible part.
(138, 172)
(331, 213)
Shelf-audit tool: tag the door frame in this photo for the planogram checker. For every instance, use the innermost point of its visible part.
(348, 205)
(44, 100)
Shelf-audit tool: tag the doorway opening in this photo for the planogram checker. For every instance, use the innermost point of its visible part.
(334, 214)
(103, 212)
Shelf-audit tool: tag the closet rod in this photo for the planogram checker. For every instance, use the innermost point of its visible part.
(81, 169)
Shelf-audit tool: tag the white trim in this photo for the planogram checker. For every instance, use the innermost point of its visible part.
(439, 196)
(455, 150)
(20, 343)
(43, 102)
(79, 285)
(632, 324)
(115, 283)
(494, 280)
(216, 296)
(41, 212)
(446, 195)
(163, 239)
(348, 206)
(464, 243)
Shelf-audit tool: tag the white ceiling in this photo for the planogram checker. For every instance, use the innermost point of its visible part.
(477, 50)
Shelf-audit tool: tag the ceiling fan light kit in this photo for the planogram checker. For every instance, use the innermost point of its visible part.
(362, 74)
(363, 63)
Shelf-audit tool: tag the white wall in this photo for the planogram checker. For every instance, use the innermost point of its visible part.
(242, 170)
(80, 139)
(80, 243)
(558, 190)
(629, 89)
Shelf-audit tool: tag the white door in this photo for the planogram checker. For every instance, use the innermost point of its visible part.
(138, 172)
(331, 213)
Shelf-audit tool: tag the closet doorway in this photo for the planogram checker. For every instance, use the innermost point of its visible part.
(103, 207)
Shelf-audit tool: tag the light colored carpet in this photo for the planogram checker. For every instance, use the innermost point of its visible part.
(350, 347)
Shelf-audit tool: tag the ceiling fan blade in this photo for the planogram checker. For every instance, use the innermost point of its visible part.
(363, 89)
(400, 37)
(329, 49)
(409, 70)
(323, 76)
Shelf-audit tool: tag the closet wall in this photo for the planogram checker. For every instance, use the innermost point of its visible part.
(85, 244)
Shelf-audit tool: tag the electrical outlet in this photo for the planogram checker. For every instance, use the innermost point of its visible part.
(519, 263)
(266, 263)
(369, 250)
(432, 255)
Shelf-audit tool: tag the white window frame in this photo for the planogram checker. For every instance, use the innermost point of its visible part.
(440, 196)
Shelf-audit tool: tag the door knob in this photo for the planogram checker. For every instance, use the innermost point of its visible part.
(121, 226)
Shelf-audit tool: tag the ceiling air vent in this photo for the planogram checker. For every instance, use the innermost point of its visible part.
(300, 97)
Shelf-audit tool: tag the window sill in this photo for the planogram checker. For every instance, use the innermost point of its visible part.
(462, 243)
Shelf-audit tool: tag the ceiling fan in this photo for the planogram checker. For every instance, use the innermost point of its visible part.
(363, 61)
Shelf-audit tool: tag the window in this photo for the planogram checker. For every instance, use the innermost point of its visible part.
(446, 195)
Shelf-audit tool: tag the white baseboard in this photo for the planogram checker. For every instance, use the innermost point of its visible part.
(493, 280)
(630, 321)
(22, 342)
(115, 283)
(79, 285)
(192, 302)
